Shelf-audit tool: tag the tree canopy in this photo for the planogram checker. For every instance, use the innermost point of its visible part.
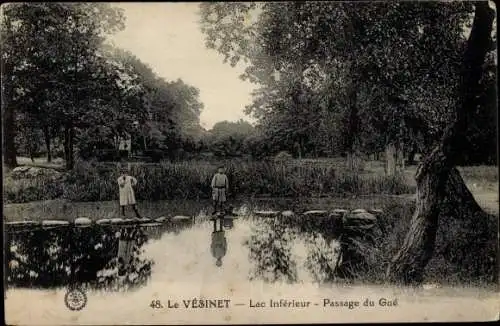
(62, 80)
(362, 75)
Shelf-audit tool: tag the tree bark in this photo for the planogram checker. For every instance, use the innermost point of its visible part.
(9, 134)
(390, 158)
(68, 146)
(352, 132)
(8, 118)
(400, 158)
(46, 135)
(411, 155)
(440, 188)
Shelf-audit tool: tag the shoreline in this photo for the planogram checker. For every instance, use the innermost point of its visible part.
(61, 209)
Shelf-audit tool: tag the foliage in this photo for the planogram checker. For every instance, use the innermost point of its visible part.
(54, 69)
(270, 252)
(227, 139)
(381, 73)
(321, 258)
(90, 181)
(61, 80)
(55, 257)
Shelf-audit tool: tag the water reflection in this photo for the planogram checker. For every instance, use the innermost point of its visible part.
(218, 246)
(177, 249)
(97, 256)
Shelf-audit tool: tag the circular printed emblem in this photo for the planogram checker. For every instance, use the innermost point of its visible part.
(75, 299)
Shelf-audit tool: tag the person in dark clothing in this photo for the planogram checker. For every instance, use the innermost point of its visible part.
(220, 185)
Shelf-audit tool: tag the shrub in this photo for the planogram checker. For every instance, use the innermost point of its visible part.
(33, 189)
(96, 181)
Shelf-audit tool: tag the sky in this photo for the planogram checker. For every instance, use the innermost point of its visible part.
(167, 37)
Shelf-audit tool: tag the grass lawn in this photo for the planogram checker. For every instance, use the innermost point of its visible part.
(56, 163)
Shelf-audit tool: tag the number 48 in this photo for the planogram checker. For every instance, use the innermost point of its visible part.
(156, 304)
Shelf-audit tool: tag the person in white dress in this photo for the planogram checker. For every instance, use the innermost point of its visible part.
(127, 195)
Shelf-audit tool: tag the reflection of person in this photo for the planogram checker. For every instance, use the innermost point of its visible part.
(219, 185)
(218, 246)
(127, 195)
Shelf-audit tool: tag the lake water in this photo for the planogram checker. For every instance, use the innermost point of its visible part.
(265, 259)
(63, 256)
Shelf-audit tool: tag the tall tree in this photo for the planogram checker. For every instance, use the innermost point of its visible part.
(401, 58)
(56, 69)
(440, 189)
(10, 43)
(170, 109)
(369, 52)
(227, 138)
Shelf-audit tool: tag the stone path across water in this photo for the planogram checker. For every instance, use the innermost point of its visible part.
(354, 215)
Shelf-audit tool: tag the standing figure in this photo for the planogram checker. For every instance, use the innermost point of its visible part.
(220, 186)
(127, 196)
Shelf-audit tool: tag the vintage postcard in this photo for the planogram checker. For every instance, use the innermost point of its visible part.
(249, 162)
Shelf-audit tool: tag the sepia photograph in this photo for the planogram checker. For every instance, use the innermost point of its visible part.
(249, 162)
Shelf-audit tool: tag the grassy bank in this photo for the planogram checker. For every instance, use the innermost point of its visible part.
(191, 180)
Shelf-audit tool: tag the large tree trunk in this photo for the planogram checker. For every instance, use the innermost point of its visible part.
(440, 188)
(353, 157)
(9, 135)
(411, 155)
(354, 160)
(400, 158)
(8, 118)
(46, 135)
(394, 158)
(390, 159)
(69, 133)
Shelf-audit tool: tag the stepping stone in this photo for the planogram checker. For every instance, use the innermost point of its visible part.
(340, 211)
(357, 227)
(287, 214)
(21, 169)
(266, 213)
(317, 212)
(152, 224)
(83, 221)
(359, 210)
(375, 211)
(116, 220)
(334, 215)
(162, 219)
(181, 218)
(243, 210)
(103, 221)
(22, 223)
(54, 222)
(362, 216)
